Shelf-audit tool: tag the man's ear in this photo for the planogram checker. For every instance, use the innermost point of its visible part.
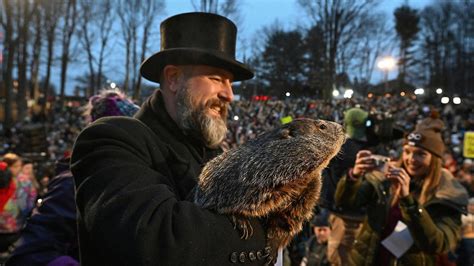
(171, 74)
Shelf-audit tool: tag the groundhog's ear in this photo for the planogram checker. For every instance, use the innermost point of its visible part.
(285, 133)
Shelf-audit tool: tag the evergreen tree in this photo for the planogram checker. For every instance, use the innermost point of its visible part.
(406, 25)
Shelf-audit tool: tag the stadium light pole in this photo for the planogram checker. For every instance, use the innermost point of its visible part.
(386, 64)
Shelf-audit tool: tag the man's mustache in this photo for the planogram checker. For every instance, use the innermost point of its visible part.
(220, 104)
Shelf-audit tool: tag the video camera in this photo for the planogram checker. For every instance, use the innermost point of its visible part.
(380, 128)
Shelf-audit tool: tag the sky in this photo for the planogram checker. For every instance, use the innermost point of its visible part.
(256, 14)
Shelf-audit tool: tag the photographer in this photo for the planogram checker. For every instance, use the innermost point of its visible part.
(412, 200)
(344, 222)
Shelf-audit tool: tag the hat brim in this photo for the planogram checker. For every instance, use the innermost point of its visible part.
(151, 68)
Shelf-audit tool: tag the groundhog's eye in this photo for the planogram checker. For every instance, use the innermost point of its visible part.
(322, 127)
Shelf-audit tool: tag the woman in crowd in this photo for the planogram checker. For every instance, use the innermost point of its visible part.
(415, 193)
(17, 199)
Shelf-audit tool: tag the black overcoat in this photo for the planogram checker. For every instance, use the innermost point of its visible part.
(134, 181)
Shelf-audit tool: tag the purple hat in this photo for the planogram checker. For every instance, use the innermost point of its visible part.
(110, 103)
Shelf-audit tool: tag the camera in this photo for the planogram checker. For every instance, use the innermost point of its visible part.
(380, 162)
(381, 128)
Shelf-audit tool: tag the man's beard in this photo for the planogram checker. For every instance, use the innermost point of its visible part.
(194, 120)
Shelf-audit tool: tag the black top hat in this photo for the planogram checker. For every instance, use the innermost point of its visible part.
(196, 38)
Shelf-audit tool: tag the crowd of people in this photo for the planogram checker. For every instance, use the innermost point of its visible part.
(164, 148)
(249, 118)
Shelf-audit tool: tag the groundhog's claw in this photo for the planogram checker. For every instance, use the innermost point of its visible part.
(243, 226)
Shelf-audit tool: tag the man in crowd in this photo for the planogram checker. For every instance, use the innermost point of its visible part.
(317, 245)
(344, 223)
(135, 177)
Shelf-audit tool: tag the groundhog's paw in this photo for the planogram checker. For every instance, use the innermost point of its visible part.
(243, 226)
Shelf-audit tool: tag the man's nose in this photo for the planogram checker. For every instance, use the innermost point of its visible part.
(226, 92)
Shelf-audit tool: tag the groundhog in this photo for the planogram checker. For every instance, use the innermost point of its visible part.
(275, 177)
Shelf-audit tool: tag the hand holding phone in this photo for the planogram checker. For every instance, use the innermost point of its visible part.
(400, 178)
(363, 163)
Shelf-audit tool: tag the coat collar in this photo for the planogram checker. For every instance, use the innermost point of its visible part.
(153, 113)
(451, 192)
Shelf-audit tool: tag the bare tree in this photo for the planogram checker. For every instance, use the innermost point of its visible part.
(136, 17)
(53, 9)
(126, 11)
(226, 8)
(447, 30)
(68, 29)
(465, 48)
(87, 35)
(376, 41)
(6, 19)
(25, 13)
(152, 8)
(104, 26)
(37, 31)
(338, 21)
(95, 29)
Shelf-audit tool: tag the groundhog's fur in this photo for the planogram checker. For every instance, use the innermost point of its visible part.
(275, 177)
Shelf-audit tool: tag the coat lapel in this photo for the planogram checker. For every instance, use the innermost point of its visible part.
(188, 155)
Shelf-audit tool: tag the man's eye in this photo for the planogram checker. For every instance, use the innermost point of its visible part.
(216, 79)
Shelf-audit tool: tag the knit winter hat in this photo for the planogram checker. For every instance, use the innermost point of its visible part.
(427, 135)
(354, 123)
(110, 103)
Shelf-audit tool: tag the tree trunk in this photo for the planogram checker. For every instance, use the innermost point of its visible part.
(9, 52)
(49, 62)
(86, 19)
(134, 57)
(52, 13)
(22, 60)
(69, 29)
(105, 26)
(90, 60)
(36, 51)
(127, 67)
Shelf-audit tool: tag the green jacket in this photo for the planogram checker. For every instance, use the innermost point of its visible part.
(435, 227)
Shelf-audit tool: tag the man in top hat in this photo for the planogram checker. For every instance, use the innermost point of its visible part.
(135, 176)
